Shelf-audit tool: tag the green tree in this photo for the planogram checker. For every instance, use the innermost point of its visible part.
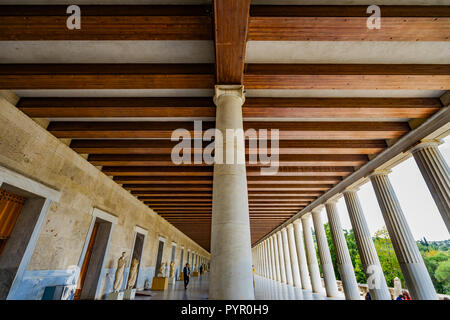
(388, 259)
(442, 275)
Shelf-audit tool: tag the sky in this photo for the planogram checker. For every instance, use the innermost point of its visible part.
(415, 199)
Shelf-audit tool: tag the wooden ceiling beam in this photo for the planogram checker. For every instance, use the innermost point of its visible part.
(107, 22)
(230, 29)
(202, 171)
(201, 76)
(348, 23)
(209, 187)
(287, 130)
(89, 146)
(209, 180)
(284, 160)
(203, 107)
(348, 76)
(107, 76)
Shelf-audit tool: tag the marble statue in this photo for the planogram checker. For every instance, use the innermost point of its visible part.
(162, 270)
(172, 269)
(397, 287)
(133, 274)
(119, 273)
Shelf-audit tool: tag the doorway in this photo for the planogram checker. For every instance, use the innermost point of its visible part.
(20, 222)
(137, 254)
(159, 256)
(95, 253)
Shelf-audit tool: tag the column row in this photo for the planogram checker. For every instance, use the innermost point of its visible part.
(289, 256)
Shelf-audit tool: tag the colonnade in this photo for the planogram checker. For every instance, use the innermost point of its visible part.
(289, 255)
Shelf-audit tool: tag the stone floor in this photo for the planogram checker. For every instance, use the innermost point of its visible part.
(264, 290)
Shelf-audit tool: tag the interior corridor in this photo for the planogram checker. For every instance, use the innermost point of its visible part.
(265, 289)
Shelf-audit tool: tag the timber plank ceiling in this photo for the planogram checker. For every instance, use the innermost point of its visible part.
(338, 92)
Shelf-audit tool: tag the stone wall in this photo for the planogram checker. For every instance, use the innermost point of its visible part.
(27, 148)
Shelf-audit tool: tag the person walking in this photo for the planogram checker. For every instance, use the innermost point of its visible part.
(186, 273)
(201, 269)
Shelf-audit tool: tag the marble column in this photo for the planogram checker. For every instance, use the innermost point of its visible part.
(266, 267)
(324, 254)
(417, 279)
(294, 257)
(311, 256)
(302, 263)
(343, 258)
(287, 258)
(376, 281)
(281, 256)
(272, 259)
(231, 262)
(436, 174)
(277, 257)
(269, 267)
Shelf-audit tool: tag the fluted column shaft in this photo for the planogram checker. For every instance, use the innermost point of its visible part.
(293, 257)
(436, 174)
(311, 256)
(302, 263)
(272, 259)
(269, 267)
(231, 259)
(287, 257)
(277, 257)
(266, 260)
(376, 281)
(324, 255)
(343, 258)
(281, 256)
(413, 268)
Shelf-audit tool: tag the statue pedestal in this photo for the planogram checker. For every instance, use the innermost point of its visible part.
(129, 294)
(172, 280)
(195, 274)
(115, 296)
(181, 276)
(160, 283)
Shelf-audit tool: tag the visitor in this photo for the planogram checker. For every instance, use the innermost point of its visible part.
(201, 269)
(253, 270)
(406, 296)
(400, 297)
(186, 273)
(368, 297)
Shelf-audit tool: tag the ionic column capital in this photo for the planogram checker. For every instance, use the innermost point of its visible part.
(380, 172)
(228, 90)
(305, 216)
(317, 210)
(425, 144)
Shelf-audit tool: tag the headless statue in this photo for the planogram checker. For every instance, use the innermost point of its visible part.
(133, 274)
(172, 269)
(119, 273)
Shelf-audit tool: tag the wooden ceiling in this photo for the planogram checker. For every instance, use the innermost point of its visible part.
(323, 139)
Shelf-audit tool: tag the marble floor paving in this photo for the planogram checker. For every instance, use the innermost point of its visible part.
(265, 289)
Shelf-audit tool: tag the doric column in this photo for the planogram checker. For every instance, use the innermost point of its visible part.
(413, 268)
(269, 265)
(231, 269)
(324, 253)
(436, 173)
(294, 257)
(287, 257)
(302, 263)
(311, 256)
(281, 256)
(272, 259)
(266, 267)
(277, 257)
(343, 259)
(376, 281)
